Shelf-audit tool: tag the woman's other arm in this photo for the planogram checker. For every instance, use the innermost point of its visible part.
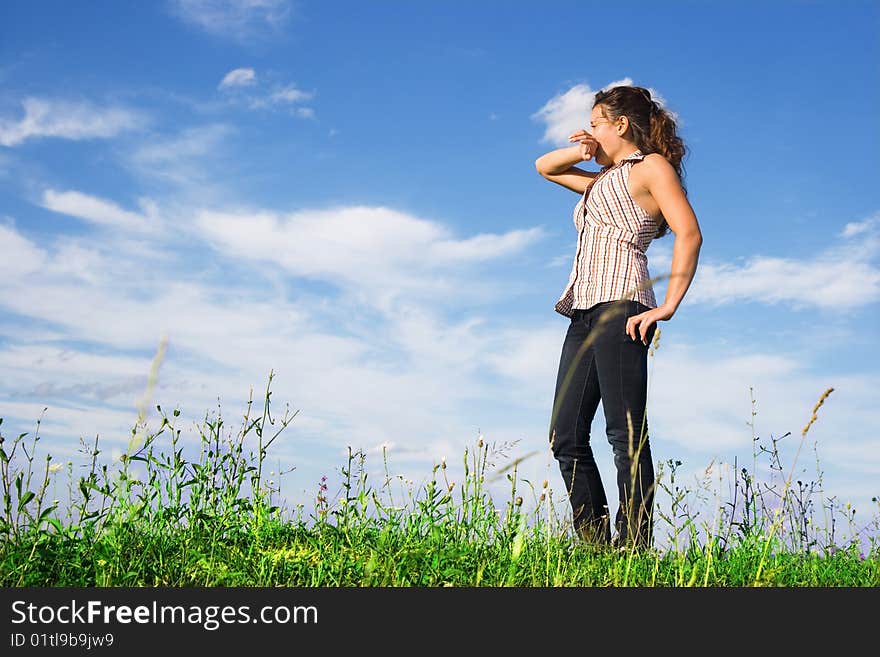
(664, 185)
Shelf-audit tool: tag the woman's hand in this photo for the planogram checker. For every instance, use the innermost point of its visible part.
(588, 144)
(640, 324)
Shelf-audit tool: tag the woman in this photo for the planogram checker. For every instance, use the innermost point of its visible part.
(637, 196)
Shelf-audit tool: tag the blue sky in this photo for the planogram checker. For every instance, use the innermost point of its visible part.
(345, 193)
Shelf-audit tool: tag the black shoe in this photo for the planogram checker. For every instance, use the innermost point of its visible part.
(621, 544)
(594, 533)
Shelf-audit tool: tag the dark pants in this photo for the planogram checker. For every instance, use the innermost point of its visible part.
(601, 361)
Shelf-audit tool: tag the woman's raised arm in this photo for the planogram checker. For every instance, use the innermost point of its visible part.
(558, 166)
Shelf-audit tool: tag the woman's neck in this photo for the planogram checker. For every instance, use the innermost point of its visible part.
(626, 149)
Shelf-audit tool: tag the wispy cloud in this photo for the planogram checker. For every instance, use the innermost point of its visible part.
(239, 77)
(570, 110)
(99, 211)
(565, 113)
(20, 255)
(844, 275)
(187, 160)
(869, 226)
(6, 164)
(239, 20)
(227, 329)
(240, 87)
(67, 120)
(285, 95)
(371, 249)
(714, 419)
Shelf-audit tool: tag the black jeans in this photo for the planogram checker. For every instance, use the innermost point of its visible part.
(599, 360)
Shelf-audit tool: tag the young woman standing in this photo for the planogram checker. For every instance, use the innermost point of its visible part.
(635, 197)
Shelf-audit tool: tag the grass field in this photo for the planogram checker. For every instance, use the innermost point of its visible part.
(155, 518)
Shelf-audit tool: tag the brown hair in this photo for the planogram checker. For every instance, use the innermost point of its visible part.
(653, 128)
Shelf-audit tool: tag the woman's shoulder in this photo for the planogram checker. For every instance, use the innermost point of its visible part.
(654, 160)
(653, 166)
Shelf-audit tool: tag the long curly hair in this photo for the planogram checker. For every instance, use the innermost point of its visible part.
(653, 128)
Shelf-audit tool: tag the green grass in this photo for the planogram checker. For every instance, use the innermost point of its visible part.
(157, 518)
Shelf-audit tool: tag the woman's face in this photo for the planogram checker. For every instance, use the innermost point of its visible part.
(604, 132)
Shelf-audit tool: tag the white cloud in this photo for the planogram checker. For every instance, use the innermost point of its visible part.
(366, 249)
(116, 305)
(716, 390)
(6, 164)
(625, 82)
(97, 211)
(20, 256)
(239, 77)
(486, 246)
(660, 257)
(564, 260)
(565, 113)
(186, 160)
(282, 97)
(68, 120)
(240, 20)
(845, 275)
(290, 94)
(240, 88)
(222, 334)
(870, 225)
(570, 111)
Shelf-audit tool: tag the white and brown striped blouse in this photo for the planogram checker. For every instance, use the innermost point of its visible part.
(613, 234)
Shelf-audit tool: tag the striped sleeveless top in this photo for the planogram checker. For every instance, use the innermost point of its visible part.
(613, 234)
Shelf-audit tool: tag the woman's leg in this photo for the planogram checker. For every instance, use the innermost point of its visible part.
(575, 404)
(622, 369)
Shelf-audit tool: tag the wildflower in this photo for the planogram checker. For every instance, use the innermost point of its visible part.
(818, 405)
(55, 467)
(656, 341)
(519, 501)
